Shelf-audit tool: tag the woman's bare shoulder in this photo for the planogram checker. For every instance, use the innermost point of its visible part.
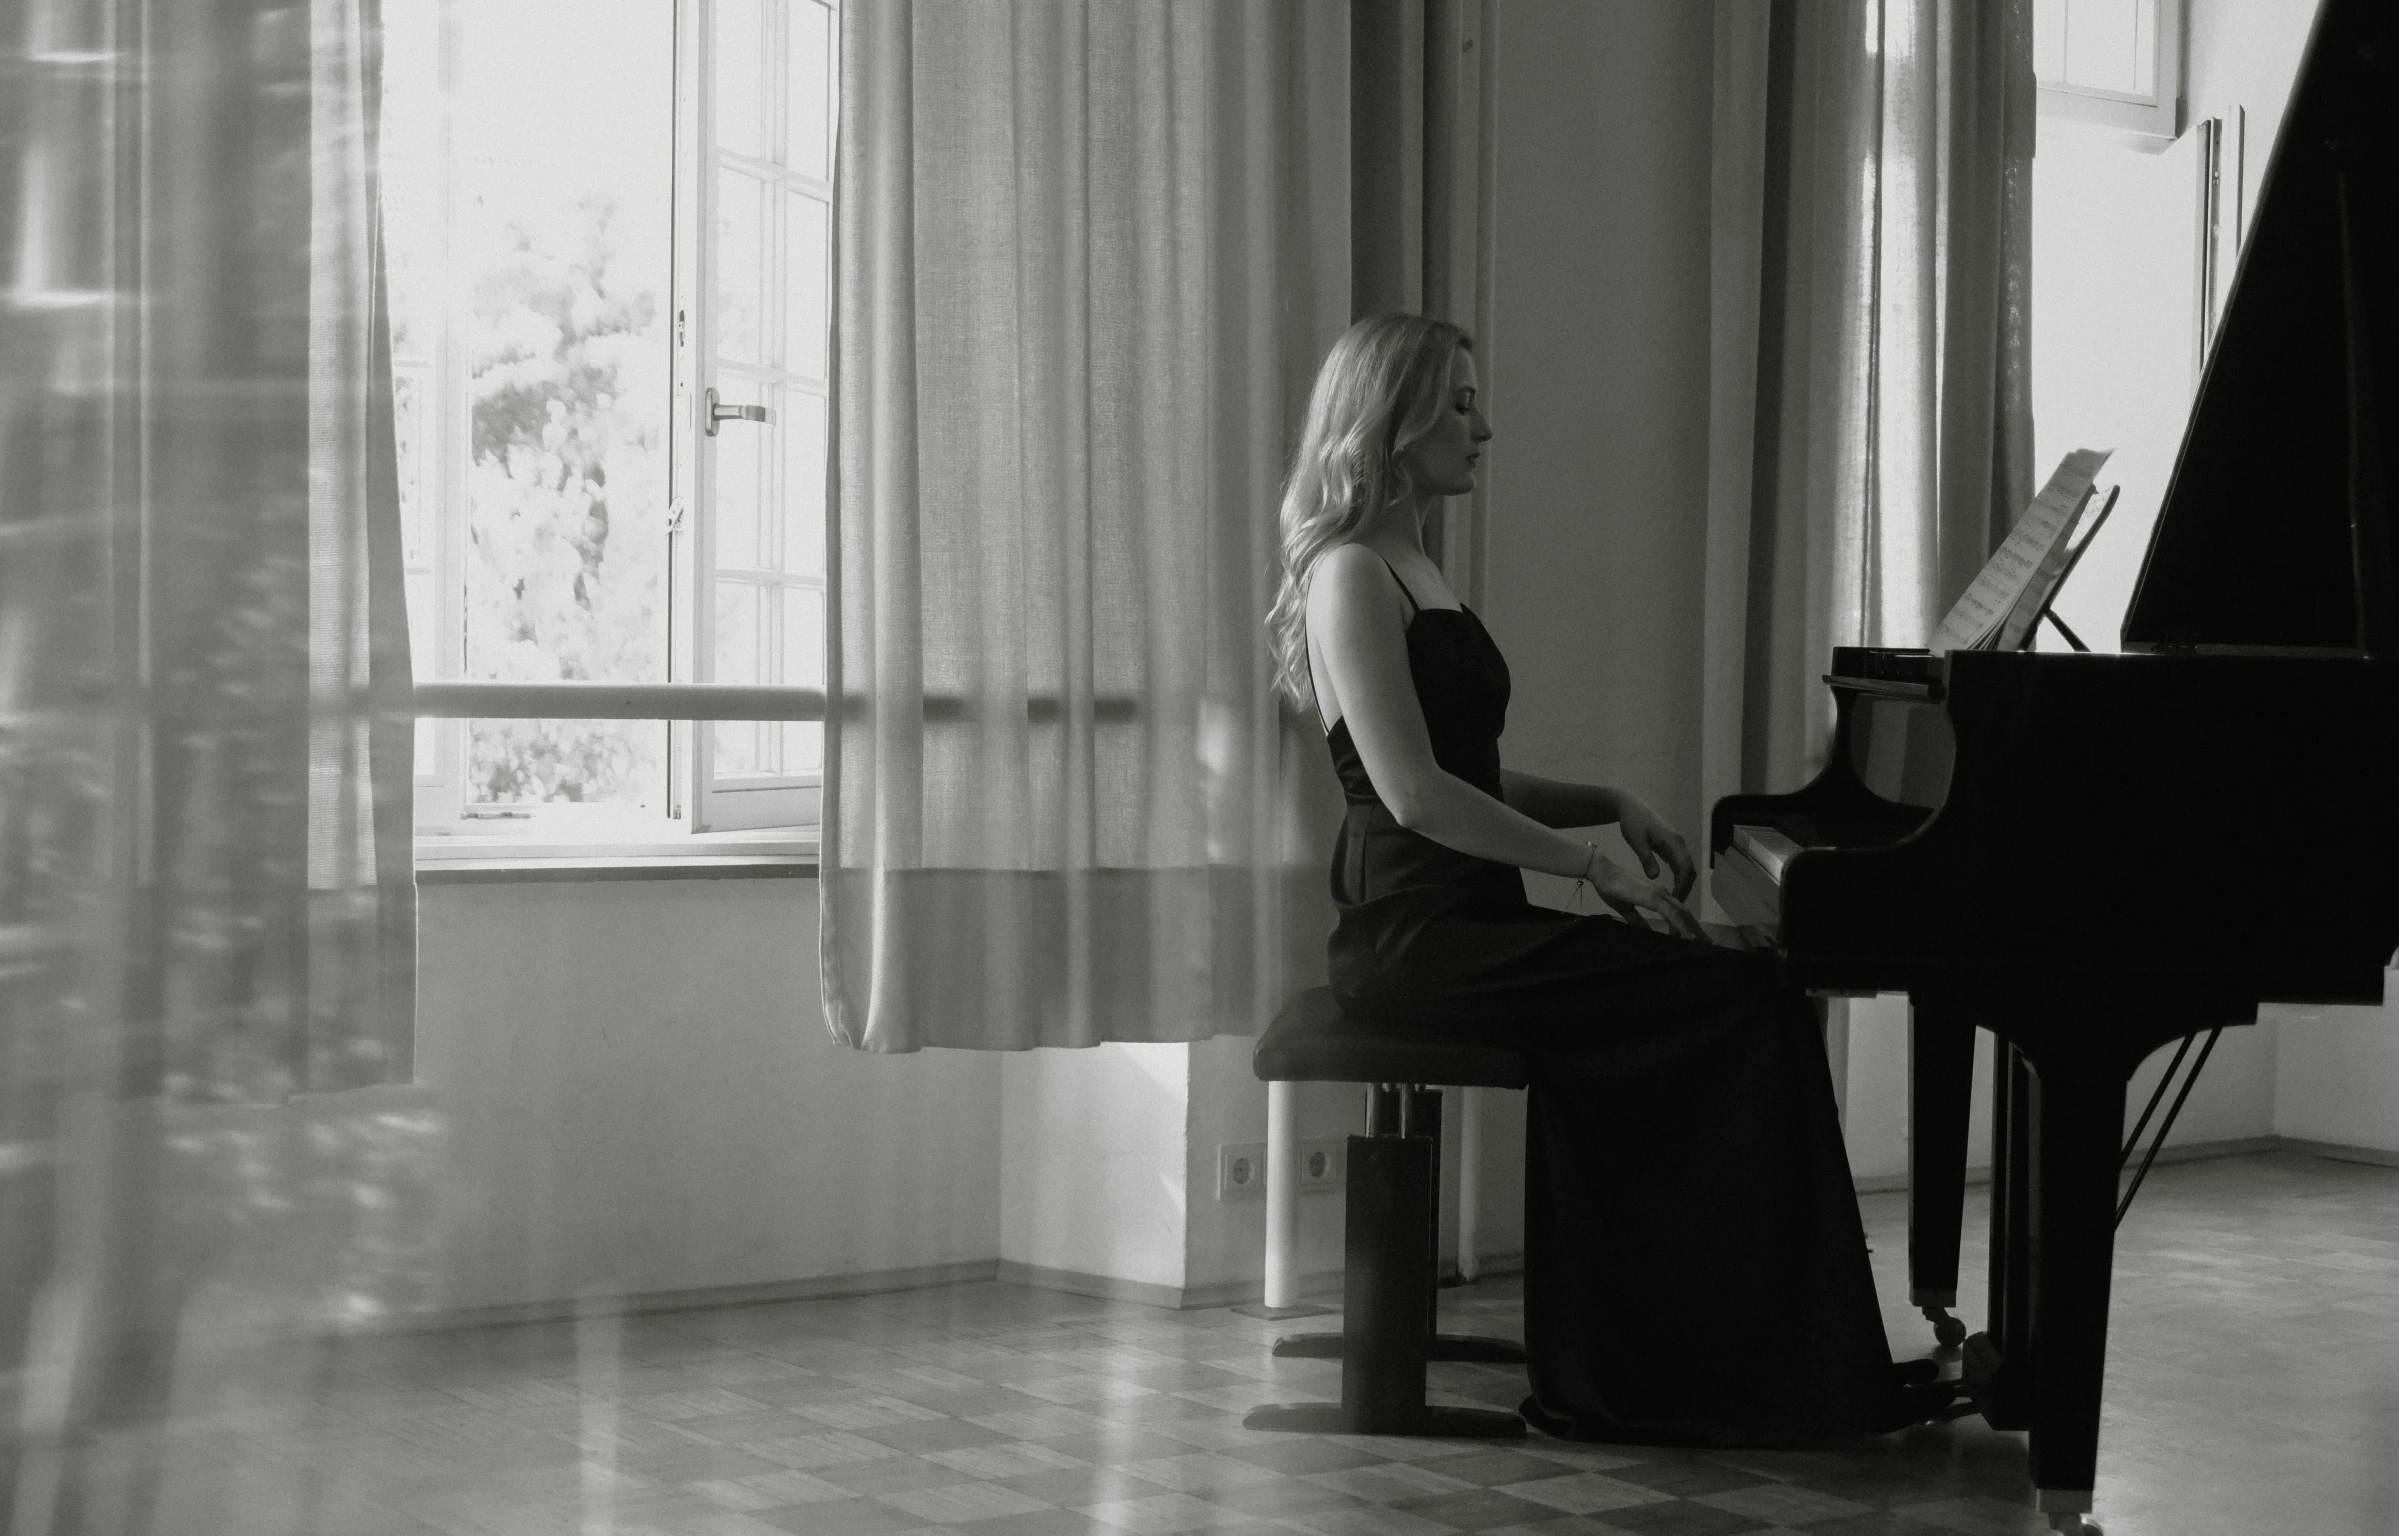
(1354, 574)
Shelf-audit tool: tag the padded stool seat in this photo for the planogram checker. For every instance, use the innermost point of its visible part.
(1313, 1041)
(1391, 1241)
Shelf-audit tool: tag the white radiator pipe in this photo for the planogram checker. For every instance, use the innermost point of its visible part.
(1282, 1194)
(1470, 1184)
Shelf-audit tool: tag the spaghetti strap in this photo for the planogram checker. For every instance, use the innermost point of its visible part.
(1414, 607)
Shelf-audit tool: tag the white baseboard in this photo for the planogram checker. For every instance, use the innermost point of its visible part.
(2187, 1152)
(1221, 1293)
(1180, 1298)
(2340, 1152)
(815, 1288)
(1074, 1282)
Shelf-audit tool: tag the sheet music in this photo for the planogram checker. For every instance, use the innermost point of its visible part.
(2036, 545)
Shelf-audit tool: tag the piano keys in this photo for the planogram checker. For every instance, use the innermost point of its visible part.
(2094, 855)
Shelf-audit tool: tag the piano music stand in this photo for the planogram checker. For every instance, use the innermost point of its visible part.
(2073, 558)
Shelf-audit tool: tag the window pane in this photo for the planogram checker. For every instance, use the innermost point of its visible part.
(2099, 45)
(737, 632)
(804, 292)
(2144, 48)
(740, 51)
(803, 637)
(803, 483)
(423, 614)
(740, 481)
(2049, 40)
(737, 658)
(811, 66)
(410, 172)
(740, 249)
(803, 747)
(801, 743)
(561, 182)
(740, 751)
(410, 401)
(566, 762)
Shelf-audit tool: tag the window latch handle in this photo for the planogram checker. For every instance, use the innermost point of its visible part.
(719, 413)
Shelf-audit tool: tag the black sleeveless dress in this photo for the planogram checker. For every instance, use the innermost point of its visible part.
(1695, 1266)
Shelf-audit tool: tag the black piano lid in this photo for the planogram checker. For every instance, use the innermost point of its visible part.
(2253, 546)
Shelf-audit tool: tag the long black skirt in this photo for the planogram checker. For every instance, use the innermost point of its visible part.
(1695, 1266)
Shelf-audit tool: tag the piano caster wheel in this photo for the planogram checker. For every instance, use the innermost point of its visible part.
(1948, 1332)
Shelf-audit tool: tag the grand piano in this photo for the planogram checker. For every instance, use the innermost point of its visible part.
(2096, 855)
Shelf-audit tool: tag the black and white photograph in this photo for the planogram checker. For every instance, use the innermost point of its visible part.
(1199, 767)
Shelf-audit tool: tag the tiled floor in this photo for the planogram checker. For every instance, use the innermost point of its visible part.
(2254, 1387)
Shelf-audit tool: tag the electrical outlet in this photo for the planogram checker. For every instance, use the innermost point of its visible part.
(1322, 1162)
(1241, 1171)
(1241, 1167)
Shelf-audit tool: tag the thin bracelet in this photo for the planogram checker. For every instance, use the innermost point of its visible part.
(1590, 859)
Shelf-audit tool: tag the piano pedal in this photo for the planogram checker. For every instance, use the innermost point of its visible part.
(1949, 1334)
(1957, 1410)
(2075, 1525)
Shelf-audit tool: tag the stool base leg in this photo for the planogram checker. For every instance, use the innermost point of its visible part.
(1442, 1346)
(1441, 1423)
(1260, 1309)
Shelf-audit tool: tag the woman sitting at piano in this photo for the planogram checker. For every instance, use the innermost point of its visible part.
(1695, 1268)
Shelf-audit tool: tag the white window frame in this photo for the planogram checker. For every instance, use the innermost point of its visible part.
(2156, 117)
(697, 799)
(720, 801)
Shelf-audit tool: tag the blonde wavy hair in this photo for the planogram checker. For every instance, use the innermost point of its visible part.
(1378, 393)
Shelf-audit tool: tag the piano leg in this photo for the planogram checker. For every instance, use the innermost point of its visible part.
(2080, 1118)
(1940, 1101)
(1999, 1360)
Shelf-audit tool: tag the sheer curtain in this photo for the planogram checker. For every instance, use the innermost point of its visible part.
(1089, 256)
(1420, 172)
(1871, 434)
(206, 905)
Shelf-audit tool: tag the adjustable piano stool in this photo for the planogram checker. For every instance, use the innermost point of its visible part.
(1392, 1234)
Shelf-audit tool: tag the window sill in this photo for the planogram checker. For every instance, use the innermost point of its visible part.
(474, 860)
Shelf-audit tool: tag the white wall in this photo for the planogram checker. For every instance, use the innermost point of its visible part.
(1227, 1238)
(641, 1097)
(1225, 1246)
(2337, 1074)
(2233, 1102)
(1092, 1160)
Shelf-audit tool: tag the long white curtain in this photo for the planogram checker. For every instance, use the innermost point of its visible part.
(1871, 435)
(207, 911)
(1089, 256)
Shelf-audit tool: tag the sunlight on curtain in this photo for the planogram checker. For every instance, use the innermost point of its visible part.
(207, 915)
(1871, 434)
(1081, 297)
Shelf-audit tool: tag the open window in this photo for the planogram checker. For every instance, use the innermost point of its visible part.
(608, 227)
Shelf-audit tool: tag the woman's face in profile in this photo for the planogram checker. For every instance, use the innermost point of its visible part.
(1444, 459)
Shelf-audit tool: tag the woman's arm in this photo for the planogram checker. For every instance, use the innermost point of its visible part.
(1554, 803)
(1358, 617)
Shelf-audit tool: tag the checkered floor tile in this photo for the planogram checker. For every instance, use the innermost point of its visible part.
(2254, 1385)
